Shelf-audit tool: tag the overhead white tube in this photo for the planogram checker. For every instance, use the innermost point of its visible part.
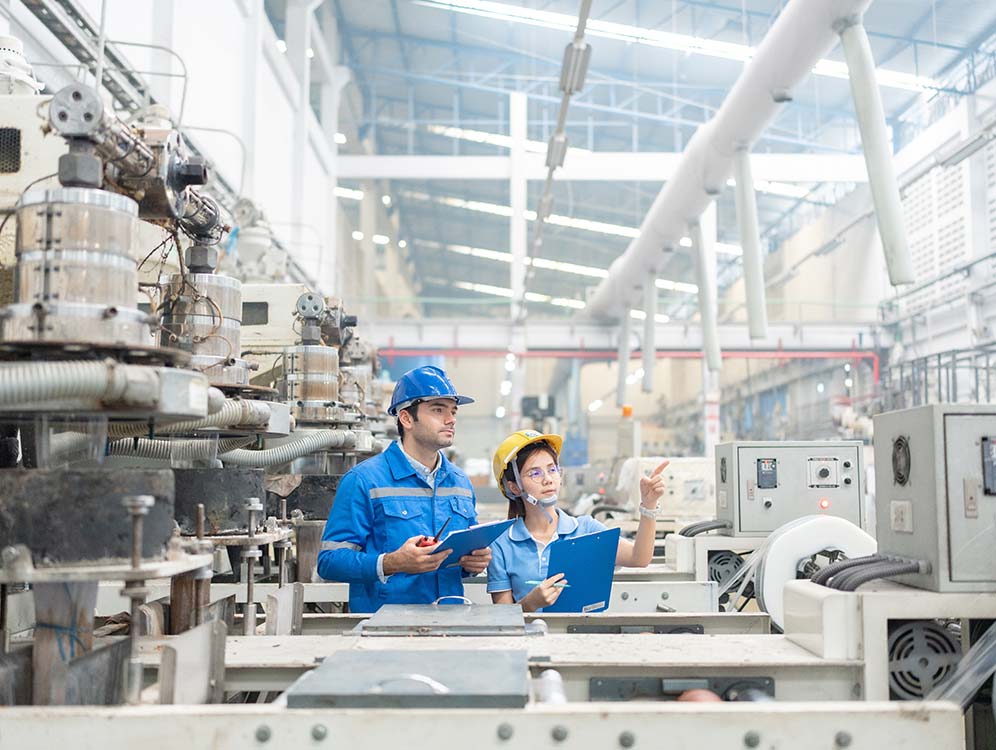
(705, 265)
(877, 148)
(750, 241)
(649, 333)
(623, 358)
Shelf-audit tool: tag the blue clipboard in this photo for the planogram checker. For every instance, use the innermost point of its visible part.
(465, 541)
(587, 562)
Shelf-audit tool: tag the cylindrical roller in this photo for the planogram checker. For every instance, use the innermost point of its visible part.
(750, 241)
(203, 294)
(877, 149)
(76, 276)
(202, 314)
(77, 219)
(705, 265)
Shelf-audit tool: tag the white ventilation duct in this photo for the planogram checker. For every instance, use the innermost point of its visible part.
(803, 33)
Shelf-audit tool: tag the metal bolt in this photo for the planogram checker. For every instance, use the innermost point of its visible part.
(627, 739)
(625, 595)
(559, 733)
(319, 732)
(263, 733)
(505, 731)
(842, 739)
(752, 739)
(665, 595)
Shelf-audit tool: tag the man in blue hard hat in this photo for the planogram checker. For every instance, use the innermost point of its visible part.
(385, 506)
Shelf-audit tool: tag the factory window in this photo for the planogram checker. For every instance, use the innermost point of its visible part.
(10, 150)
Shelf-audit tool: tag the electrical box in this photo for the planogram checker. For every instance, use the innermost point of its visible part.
(935, 493)
(689, 487)
(761, 486)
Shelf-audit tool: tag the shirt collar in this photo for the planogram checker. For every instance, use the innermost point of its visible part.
(565, 525)
(420, 467)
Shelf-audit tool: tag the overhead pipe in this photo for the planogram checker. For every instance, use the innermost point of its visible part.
(649, 333)
(877, 148)
(750, 241)
(801, 35)
(622, 358)
(705, 269)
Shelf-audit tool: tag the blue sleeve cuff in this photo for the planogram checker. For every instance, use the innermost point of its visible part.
(496, 586)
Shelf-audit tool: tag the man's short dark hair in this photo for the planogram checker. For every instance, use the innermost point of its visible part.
(413, 410)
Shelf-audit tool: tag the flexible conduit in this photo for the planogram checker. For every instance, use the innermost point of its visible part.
(60, 381)
(168, 450)
(316, 441)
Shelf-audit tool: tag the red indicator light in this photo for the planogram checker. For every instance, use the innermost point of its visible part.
(824, 503)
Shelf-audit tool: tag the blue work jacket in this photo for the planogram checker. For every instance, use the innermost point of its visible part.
(379, 505)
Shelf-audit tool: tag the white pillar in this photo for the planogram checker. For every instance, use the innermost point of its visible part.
(704, 250)
(298, 32)
(877, 148)
(622, 359)
(649, 333)
(251, 56)
(710, 410)
(750, 241)
(518, 240)
(518, 191)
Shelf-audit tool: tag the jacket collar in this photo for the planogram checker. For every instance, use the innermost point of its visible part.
(402, 468)
(565, 525)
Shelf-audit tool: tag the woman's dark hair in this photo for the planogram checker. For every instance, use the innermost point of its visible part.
(516, 507)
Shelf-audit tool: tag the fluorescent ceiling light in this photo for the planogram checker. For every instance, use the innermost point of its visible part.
(402, 244)
(309, 53)
(348, 193)
(505, 388)
(281, 46)
(685, 43)
(339, 138)
(386, 200)
(556, 265)
(500, 412)
(380, 239)
(595, 405)
(493, 139)
(357, 235)
(500, 291)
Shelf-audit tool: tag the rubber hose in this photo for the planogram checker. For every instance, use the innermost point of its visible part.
(703, 526)
(823, 576)
(884, 570)
(166, 450)
(232, 412)
(316, 441)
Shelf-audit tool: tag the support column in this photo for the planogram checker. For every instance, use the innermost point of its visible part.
(750, 241)
(622, 359)
(710, 410)
(704, 249)
(649, 333)
(368, 251)
(517, 240)
(877, 148)
(329, 274)
(298, 38)
(251, 56)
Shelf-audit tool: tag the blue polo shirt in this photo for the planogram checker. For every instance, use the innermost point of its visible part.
(516, 558)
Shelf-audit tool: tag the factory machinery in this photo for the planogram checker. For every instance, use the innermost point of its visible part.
(197, 444)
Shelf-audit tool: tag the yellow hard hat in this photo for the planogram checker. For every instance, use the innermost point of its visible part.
(514, 443)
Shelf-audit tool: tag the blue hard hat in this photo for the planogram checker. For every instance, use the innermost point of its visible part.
(422, 384)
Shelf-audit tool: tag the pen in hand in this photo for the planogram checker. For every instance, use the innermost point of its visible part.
(556, 585)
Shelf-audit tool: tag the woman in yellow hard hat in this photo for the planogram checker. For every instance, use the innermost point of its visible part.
(527, 469)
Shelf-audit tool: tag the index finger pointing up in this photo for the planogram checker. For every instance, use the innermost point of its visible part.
(663, 465)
